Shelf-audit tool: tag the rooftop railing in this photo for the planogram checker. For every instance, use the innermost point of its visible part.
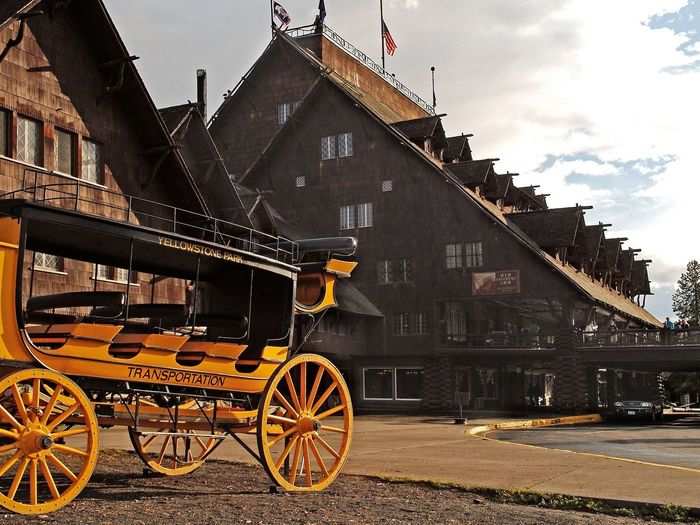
(362, 57)
(96, 200)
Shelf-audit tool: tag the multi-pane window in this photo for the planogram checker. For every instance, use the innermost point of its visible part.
(473, 255)
(384, 273)
(46, 261)
(467, 255)
(402, 324)
(453, 256)
(345, 145)
(336, 146)
(285, 110)
(301, 181)
(4, 132)
(111, 273)
(392, 384)
(356, 216)
(92, 162)
(30, 143)
(405, 271)
(455, 322)
(364, 215)
(420, 323)
(347, 217)
(64, 152)
(328, 147)
(387, 185)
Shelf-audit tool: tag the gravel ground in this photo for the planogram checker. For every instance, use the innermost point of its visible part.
(222, 492)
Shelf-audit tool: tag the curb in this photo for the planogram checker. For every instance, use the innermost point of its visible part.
(534, 423)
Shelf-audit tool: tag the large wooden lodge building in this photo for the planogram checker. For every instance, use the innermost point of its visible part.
(469, 287)
(476, 278)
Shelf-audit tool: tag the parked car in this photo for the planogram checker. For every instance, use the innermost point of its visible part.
(650, 410)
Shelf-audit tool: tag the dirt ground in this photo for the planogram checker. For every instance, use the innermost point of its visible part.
(222, 492)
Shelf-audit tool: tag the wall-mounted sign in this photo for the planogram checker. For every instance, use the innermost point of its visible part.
(506, 282)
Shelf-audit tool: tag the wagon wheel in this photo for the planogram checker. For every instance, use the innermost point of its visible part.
(48, 443)
(173, 454)
(308, 398)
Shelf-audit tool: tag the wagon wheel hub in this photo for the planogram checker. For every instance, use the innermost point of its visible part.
(308, 424)
(33, 441)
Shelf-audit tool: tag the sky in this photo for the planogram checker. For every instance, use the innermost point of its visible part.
(596, 101)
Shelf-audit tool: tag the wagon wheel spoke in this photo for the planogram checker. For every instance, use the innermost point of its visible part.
(292, 392)
(286, 404)
(314, 387)
(62, 417)
(295, 462)
(330, 412)
(324, 396)
(285, 434)
(285, 453)
(307, 463)
(62, 467)
(317, 455)
(19, 403)
(55, 494)
(334, 429)
(302, 386)
(203, 446)
(71, 451)
(18, 478)
(75, 431)
(36, 390)
(51, 404)
(10, 418)
(10, 462)
(33, 492)
(330, 449)
(282, 420)
(163, 450)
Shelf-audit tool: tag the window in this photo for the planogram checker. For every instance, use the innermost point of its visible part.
(347, 217)
(92, 162)
(404, 271)
(387, 185)
(402, 324)
(345, 145)
(356, 216)
(46, 261)
(285, 110)
(455, 319)
(384, 272)
(409, 384)
(110, 273)
(420, 323)
(30, 143)
(64, 152)
(328, 148)
(453, 256)
(393, 384)
(4, 132)
(301, 182)
(473, 255)
(378, 383)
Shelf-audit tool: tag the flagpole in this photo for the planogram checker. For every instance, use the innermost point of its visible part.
(381, 29)
(272, 20)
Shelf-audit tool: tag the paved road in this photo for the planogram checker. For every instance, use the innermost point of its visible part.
(674, 443)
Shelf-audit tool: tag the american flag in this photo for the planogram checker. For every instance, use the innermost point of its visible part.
(389, 40)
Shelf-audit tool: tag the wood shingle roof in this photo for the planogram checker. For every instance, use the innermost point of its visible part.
(552, 228)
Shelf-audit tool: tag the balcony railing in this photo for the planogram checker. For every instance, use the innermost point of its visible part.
(499, 340)
(690, 337)
(365, 60)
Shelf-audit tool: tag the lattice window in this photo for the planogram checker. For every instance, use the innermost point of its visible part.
(473, 255)
(345, 145)
(328, 148)
(30, 143)
(4, 132)
(405, 270)
(47, 261)
(92, 162)
(365, 217)
(301, 182)
(402, 324)
(453, 256)
(384, 272)
(455, 322)
(420, 323)
(64, 152)
(347, 217)
(387, 185)
(284, 111)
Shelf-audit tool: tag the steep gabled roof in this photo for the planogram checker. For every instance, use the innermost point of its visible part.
(9, 8)
(593, 237)
(419, 128)
(640, 278)
(458, 148)
(472, 173)
(202, 158)
(552, 228)
(579, 281)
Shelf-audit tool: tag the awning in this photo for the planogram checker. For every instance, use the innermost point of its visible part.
(353, 301)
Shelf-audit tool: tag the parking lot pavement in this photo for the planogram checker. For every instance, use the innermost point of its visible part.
(674, 443)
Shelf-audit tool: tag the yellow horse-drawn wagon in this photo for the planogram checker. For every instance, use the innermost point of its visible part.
(200, 348)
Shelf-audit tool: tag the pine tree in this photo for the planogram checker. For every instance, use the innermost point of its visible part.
(686, 298)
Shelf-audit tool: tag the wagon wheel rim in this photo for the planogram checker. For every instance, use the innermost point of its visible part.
(170, 454)
(48, 443)
(304, 438)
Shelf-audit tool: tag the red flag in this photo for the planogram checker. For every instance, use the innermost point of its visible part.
(388, 40)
